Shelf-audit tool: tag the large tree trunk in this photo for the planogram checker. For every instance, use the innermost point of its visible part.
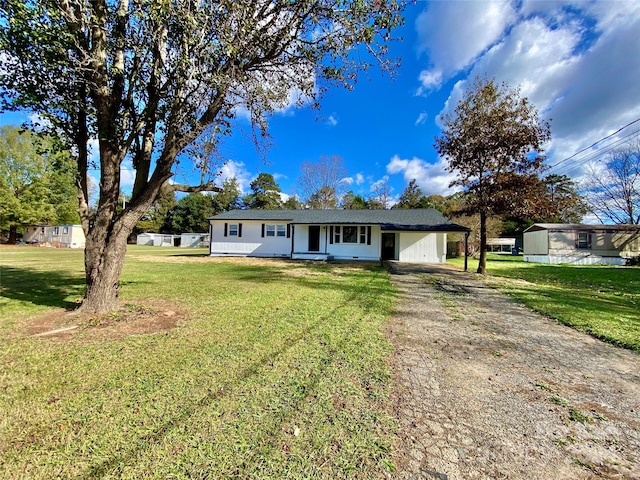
(482, 264)
(103, 260)
(13, 234)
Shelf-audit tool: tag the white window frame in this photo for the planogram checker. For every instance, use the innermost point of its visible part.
(233, 230)
(275, 230)
(360, 235)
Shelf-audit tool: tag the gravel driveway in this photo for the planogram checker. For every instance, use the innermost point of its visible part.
(489, 389)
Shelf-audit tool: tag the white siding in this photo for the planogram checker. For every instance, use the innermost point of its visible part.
(536, 242)
(251, 243)
(67, 236)
(194, 240)
(358, 251)
(301, 238)
(422, 247)
(575, 259)
(145, 239)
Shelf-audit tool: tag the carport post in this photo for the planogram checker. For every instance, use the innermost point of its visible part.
(466, 249)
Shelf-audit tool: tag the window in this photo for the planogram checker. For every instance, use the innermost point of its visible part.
(65, 230)
(274, 230)
(584, 240)
(56, 230)
(233, 229)
(349, 234)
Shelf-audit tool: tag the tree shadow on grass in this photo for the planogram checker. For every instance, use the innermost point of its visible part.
(49, 288)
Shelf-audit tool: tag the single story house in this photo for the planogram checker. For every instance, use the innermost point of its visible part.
(158, 239)
(65, 236)
(418, 236)
(194, 240)
(581, 244)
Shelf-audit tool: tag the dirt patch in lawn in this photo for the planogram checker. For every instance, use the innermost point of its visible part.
(131, 318)
(487, 389)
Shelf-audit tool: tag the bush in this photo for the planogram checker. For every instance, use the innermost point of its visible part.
(633, 261)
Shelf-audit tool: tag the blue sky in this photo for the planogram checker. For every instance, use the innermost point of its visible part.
(578, 62)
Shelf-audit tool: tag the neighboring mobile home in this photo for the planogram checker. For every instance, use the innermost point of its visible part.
(581, 244)
(65, 236)
(158, 239)
(194, 240)
(418, 236)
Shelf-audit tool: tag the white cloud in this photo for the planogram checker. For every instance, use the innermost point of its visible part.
(422, 118)
(332, 121)
(429, 80)
(235, 169)
(455, 33)
(431, 178)
(379, 183)
(577, 62)
(358, 180)
(127, 176)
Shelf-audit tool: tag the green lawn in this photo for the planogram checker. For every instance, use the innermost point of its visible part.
(276, 370)
(603, 301)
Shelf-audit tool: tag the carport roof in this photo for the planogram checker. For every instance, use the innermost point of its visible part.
(428, 219)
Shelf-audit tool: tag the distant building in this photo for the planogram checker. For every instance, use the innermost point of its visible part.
(158, 240)
(581, 244)
(501, 244)
(64, 236)
(194, 240)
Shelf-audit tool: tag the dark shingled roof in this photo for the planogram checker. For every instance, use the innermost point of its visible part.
(401, 219)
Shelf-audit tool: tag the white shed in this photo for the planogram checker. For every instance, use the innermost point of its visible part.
(146, 238)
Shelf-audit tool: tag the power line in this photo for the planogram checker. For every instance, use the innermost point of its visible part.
(595, 143)
(591, 155)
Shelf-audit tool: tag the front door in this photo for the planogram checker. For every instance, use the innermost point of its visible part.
(388, 246)
(314, 238)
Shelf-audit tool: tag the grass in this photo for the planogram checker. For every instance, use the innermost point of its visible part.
(278, 370)
(603, 301)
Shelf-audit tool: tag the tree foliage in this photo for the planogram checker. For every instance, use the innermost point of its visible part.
(149, 78)
(36, 182)
(352, 201)
(563, 202)
(265, 193)
(494, 143)
(158, 218)
(191, 214)
(411, 197)
(613, 189)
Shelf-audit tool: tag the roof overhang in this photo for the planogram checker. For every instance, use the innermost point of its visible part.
(447, 227)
